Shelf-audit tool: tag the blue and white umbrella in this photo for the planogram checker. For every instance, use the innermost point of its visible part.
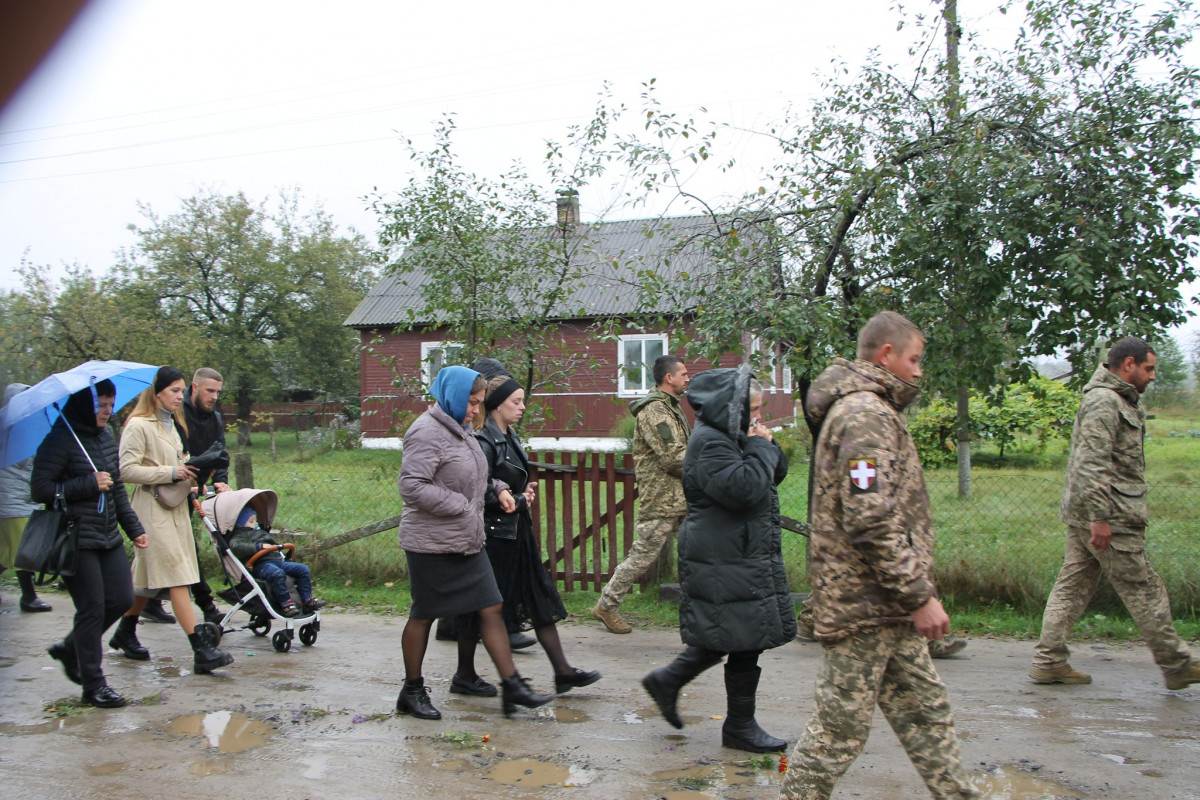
(27, 417)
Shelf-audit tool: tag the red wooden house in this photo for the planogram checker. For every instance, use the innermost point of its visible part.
(609, 323)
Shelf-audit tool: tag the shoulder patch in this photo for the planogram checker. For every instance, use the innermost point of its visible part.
(862, 475)
(665, 431)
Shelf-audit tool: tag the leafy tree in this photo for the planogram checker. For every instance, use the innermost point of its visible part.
(268, 289)
(494, 270)
(1171, 370)
(1196, 356)
(1037, 202)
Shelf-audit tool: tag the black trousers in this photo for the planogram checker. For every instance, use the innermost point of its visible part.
(201, 591)
(102, 590)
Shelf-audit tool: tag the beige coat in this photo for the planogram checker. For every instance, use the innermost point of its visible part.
(149, 452)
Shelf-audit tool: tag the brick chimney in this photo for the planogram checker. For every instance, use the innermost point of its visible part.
(568, 208)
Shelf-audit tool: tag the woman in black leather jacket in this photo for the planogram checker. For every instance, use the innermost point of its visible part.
(530, 597)
(80, 461)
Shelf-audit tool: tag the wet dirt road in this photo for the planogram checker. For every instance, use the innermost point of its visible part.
(317, 722)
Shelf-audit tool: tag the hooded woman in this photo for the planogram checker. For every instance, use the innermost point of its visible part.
(736, 601)
(443, 478)
(78, 459)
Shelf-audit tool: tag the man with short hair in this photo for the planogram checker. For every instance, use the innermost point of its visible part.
(873, 597)
(659, 444)
(206, 428)
(1104, 509)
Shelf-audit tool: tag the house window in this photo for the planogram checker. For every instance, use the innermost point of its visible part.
(434, 356)
(637, 354)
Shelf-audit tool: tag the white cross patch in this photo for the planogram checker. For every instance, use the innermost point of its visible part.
(862, 473)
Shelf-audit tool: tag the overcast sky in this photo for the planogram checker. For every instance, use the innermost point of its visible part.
(151, 102)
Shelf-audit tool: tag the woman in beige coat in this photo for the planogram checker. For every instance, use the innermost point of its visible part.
(152, 455)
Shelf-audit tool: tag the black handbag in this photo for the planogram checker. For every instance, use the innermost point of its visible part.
(49, 543)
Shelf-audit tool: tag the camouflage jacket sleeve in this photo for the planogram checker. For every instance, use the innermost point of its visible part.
(1092, 462)
(658, 427)
(875, 518)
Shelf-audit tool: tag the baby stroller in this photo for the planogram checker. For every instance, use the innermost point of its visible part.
(245, 593)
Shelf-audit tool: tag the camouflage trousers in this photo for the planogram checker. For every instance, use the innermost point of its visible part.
(888, 666)
(652, 534)
(1137, 584)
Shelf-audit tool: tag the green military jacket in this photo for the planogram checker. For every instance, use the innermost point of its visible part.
(660, 440)
(1106, 471)
(872, 531)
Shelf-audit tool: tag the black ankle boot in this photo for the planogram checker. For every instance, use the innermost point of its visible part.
(126, 640)
(664, 683)
(517, 692)
(65, 655)
(207, 656)
(740, 730)
(414, 699)
(29, 598)
(211, 612)
(154, 612)
(103, 697)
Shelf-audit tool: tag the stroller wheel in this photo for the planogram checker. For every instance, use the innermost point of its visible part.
(214, 630)
(260, 626)
(308, 635)
(281, 641)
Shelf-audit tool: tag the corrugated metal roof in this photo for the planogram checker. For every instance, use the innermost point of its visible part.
(609, 255)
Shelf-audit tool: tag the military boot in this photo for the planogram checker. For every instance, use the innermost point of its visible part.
(1186, 676)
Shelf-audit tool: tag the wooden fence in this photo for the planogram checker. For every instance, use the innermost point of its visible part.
(590, 498)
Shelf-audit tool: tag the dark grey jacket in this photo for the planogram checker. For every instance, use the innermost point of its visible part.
(735, 589)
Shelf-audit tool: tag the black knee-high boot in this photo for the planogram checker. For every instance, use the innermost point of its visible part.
(664, 683)
(740, 730)
(29, 597)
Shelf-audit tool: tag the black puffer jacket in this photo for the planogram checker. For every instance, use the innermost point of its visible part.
(506, 462)
(735, 589)
(59, 460)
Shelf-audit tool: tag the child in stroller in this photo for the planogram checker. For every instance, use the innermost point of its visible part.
(239, 524)
(255, 548)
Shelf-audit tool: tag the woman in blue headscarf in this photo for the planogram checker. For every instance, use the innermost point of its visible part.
(443, 478)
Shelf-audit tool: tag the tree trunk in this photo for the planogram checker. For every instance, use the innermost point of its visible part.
(243, 416)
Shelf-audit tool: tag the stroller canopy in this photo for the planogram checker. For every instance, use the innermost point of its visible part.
(224, 508)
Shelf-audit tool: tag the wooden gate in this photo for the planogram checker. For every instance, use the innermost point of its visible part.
(584, 516)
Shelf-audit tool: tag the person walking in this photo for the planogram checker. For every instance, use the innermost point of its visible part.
(660, 441)
(735, 598)
(442, 482)
(15, 507)
(205, 428)
(1104, 509)
(78, 460)
(152, 454)
(530, 598)
(874, 600)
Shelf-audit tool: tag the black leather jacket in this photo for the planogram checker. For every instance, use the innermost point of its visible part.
(507, 462)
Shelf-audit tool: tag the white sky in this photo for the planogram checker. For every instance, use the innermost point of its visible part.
(149, 102)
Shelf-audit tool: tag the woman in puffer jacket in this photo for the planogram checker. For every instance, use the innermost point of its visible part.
(78, 459)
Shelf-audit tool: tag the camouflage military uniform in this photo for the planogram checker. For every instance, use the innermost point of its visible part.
(872, 541)
(1106, 483)
(659, 444)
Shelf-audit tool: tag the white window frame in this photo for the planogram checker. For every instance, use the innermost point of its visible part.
(427, 351)
(624, 390)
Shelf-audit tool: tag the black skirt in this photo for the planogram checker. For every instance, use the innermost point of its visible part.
(531, 599)
(449, 584)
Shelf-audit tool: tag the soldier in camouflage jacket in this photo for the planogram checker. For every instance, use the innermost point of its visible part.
(873, 596)
(1104, 508)
(660, 440)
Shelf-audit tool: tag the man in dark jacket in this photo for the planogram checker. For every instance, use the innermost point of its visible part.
(205, 428)
(1104, 509)
(874, 599)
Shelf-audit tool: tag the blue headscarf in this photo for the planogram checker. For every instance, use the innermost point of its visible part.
(452, 389)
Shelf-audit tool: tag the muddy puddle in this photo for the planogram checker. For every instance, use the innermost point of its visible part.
(1010, 783)
(697, 780)
(49, 726)
(225, 731)
(528, 773)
